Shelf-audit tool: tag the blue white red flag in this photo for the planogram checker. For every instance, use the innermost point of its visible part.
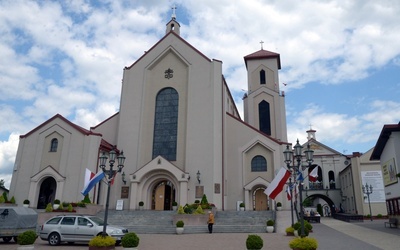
(96, 179)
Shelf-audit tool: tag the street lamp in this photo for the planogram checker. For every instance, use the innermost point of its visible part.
(288, 154)
(110, 174)
(368, 190)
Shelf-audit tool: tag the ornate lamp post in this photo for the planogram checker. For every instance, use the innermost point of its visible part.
(368, 190)
(110, 174)
(288, 154)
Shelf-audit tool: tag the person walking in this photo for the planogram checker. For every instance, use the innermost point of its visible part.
(210, 221)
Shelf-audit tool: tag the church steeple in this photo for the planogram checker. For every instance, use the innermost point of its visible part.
(173, 25)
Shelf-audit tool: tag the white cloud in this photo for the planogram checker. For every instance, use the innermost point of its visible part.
(8, 151)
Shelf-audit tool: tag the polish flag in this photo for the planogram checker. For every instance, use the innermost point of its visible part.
(277, 183)
(314, 174)
(289, 197)
(88, 175)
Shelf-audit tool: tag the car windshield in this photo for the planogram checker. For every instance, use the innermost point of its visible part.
(97, 220)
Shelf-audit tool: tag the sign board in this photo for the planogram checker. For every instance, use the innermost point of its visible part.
(374, 179)
(120, 205)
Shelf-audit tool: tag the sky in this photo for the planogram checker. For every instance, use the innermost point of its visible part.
(340, 60)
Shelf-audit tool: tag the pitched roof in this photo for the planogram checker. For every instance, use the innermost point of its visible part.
(58, 116)
(382, 140)
(168, 34)
(263, 54)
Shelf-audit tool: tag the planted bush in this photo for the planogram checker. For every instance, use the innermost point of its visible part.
(254, 242)
(130, 240)
(180, 223)
(26, 202)
(100, 241)
(27, 238)
(270, 223)
(305, 243)
(49, 208)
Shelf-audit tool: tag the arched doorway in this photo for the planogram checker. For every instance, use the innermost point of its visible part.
(260, 200)
(47, 192)
(328, 208)
(163, 195)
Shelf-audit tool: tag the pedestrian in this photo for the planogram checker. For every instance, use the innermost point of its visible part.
(210, 221)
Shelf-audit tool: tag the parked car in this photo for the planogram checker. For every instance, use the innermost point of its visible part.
(77, 228)
(16, 220)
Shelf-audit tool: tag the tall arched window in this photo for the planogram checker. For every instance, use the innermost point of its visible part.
(262, 77)
(258, 164)
(54, 145)
(264, 117)
(166, 124)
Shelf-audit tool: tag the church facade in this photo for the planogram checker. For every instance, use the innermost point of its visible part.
(180, 131)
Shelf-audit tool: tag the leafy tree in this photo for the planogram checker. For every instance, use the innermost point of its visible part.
(2, 183)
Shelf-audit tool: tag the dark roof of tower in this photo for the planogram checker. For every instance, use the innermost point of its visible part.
(263, 54)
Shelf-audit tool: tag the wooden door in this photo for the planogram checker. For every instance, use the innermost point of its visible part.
(261, 200)
(159, 197)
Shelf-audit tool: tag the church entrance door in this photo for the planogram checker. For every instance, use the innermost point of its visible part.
(47, 192)
(261, 200)
(163, 196)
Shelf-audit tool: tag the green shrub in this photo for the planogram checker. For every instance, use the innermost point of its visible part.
(70, 208)
(12, 200)
(199, 210)
(180, 223)
(305, 243)
(308, 225)
(279, 204)
(296, 225)
(5, 197)
(241, 204)
(289, 230)
(26, 202)
(180, 210)
(319, 209)
(57, 201)
(65, 204)
(306, 231)
(379, 215)
(254, 242)
(2, 199)
(49, 208)
(174, 203)
(130, 240)
(197, 201)
(27, 238)
(270, 223)
(81, 204)
(204, 199)
(86, 199)
(141, 203)
(61, 207)
(100, 241)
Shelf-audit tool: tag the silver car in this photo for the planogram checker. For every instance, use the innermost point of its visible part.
(77, 228)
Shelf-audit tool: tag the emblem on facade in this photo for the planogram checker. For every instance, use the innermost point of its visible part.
(169, 73)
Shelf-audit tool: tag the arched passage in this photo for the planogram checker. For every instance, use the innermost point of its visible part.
(163, 194)
(328, 208)
(47, 192)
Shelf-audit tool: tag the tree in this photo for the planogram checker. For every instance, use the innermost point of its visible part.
(2, 183)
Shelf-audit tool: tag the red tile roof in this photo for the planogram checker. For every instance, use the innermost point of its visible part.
(263, 54)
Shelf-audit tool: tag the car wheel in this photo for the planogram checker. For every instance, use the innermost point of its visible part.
(54, 239)
(7, 239)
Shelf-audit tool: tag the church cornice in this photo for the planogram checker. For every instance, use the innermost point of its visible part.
(263, 54)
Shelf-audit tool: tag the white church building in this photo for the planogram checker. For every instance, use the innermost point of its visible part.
(180, 132)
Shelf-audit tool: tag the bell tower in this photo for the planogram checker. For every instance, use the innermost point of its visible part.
(264, 106)
(173, 25)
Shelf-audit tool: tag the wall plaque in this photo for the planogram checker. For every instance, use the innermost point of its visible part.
(199, 191)
(217, 188)
(124, 192)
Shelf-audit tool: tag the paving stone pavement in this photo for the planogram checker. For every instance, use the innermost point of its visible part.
(331, 235)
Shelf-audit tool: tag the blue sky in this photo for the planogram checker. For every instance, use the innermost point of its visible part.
(340, 60)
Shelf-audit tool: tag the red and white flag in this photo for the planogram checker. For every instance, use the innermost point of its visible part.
(288, 195)
(314, 174)
(277, 183)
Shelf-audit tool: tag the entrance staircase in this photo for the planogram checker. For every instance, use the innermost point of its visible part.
(161, 222)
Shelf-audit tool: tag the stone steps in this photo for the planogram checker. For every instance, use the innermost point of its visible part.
(161, 222)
